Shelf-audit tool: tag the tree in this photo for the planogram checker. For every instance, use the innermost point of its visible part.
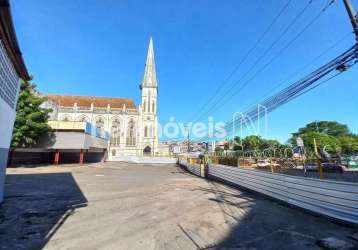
(31, 119)
(331, 136)
(226, 147)
(237, 143)
(252, 142)
(270, 144)
(219, 151)
(349, 144)
(326, 127)
(323, 141)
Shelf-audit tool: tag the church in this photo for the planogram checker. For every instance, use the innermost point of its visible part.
(132, 130)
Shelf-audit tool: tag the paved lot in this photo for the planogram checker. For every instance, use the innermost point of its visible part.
(126, 206)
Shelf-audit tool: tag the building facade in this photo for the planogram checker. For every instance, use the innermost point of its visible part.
(12, 69)
(133, 129)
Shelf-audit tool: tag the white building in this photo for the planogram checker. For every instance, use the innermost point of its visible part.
(133, 129)
(12, 68)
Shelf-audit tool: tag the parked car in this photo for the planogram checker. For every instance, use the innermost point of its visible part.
(349, 161)
(353, 163)
(263, 163)
(311, 166)
(327, 167)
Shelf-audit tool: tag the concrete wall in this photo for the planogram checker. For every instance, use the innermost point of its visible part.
(7, 118)
(94, 142)
(71, 140)
(144, 159)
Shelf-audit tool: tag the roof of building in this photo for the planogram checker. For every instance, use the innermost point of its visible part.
(8, 37)
(85, 101)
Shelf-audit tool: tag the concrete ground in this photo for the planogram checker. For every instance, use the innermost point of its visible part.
(128, 206)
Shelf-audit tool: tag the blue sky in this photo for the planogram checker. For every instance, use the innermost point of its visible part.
(98, 47)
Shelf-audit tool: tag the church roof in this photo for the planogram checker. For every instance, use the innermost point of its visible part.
(150, 76)
(85, 101)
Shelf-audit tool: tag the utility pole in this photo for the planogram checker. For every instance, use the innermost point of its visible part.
(188, 148)
(352, 16)
(188, 142)
(318, 159)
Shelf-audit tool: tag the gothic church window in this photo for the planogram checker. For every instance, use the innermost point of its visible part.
(151, 131)
(145, 131)
(115, 133)
(83, 118)
(131, 137)
(100, 124)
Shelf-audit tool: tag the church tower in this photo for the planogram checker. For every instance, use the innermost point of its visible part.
(149, 88)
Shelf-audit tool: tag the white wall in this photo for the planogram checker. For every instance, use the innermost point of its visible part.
(7, 118)
(9, 89)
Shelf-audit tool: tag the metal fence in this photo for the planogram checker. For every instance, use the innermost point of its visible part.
(193, 168)
(336, 199)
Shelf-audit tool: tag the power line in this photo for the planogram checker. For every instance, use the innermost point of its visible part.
(325, 51)
(308, 83)
(222, 100)
(283, 49)
(220, 86)
(258, 60)
(276, 88)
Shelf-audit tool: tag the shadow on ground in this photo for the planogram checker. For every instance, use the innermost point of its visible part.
(260, 223)
(35, 206)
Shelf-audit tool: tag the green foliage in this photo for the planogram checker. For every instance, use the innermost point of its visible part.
(219, 151)
(325, 127)
(270, 144)
(252, 142)
(331, 136)
(255, 142)
(237, 144)
(325, 142)
(31, 119)
(349, 144)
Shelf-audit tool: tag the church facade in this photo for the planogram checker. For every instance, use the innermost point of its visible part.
(132, 130)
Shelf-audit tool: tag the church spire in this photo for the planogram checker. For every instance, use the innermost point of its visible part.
(150, 76)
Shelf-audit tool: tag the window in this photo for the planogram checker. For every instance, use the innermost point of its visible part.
(145, 131)
(150, 131)
(131, 138)
(153, 107)
(100, 124)
(115, 133)
(144, 106)
(83, 118)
